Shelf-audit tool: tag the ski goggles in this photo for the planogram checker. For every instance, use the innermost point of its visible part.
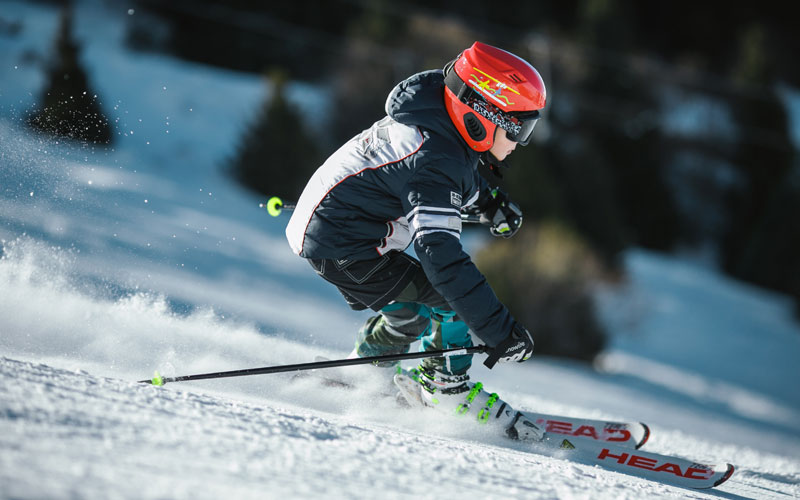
(518, 125)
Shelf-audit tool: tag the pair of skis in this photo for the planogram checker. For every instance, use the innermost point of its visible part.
(611, 445)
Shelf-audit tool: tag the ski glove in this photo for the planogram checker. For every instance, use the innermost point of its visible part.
(502, 215)
(518, 346)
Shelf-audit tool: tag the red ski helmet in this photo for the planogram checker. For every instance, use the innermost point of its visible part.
(487, 87)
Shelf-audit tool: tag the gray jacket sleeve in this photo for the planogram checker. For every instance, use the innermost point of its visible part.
(435, 223)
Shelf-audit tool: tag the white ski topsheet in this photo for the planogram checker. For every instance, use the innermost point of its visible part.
(627, 434)
(673, 470)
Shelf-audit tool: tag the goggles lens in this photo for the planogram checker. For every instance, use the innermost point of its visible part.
(527, 122)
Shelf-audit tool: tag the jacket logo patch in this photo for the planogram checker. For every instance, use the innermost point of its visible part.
(455, 199)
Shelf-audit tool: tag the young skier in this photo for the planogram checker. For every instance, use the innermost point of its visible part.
(407, 179)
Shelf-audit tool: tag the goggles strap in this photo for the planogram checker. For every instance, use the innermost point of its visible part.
(455, 84)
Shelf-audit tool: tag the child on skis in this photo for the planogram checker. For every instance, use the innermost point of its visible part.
(407, 180)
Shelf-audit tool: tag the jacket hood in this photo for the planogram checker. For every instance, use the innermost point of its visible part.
(419, 100)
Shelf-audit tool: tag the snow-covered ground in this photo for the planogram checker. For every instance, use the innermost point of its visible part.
(115, 263)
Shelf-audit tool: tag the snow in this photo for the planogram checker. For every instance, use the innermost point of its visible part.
(116, 263)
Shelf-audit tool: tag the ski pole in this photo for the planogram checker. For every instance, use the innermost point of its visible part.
(159, 380)
(275, 206)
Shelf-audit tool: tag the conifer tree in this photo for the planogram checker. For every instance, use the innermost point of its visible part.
(70, 108)
(278, 154)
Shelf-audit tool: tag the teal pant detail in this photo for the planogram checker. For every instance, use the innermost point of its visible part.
(401, 323)
(418, 312)
(447, 331)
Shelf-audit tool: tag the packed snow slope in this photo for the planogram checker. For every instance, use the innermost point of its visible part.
(116, 262)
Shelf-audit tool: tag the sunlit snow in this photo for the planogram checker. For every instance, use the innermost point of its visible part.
(147, 256)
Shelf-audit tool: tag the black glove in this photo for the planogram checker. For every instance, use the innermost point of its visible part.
(518, 346)
(500, 213)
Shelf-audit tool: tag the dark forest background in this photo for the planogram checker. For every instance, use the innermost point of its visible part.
(665, 128)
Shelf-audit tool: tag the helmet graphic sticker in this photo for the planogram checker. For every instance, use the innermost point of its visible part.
(484, 87)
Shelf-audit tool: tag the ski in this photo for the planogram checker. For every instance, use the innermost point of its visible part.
(651, 466)
(626, 434)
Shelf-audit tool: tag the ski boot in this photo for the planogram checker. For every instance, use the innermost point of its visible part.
(456, 395)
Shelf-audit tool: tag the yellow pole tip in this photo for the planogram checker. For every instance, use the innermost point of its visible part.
(274, 206)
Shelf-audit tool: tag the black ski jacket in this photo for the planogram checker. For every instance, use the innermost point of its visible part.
(404, 180)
